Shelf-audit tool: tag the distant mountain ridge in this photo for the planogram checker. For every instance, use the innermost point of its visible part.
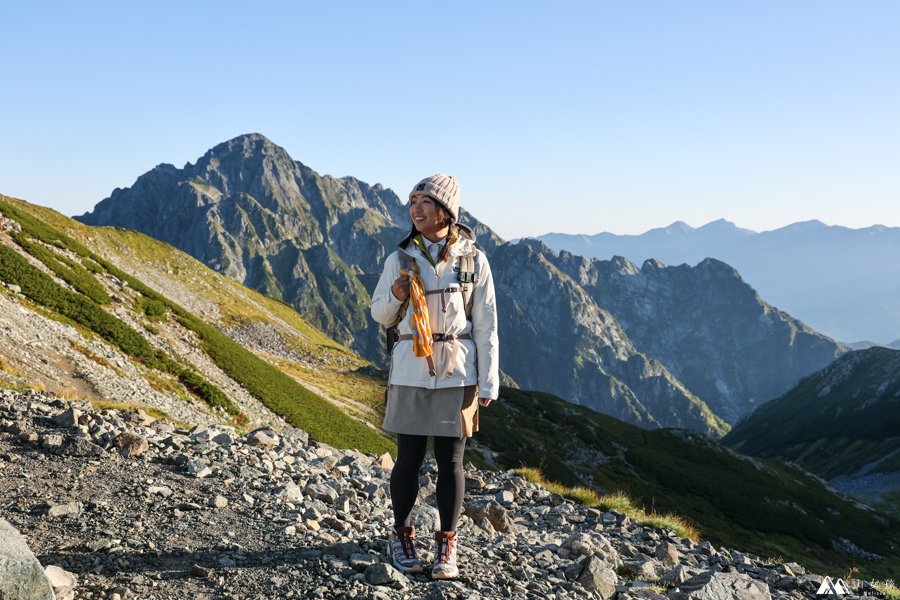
(842, 423)
(842, 282)
(247, 209)
(707, 326)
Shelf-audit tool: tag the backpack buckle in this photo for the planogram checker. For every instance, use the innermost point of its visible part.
(439, 337)
(468, 277)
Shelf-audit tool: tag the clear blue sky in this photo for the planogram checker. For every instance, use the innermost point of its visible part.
(554, 116)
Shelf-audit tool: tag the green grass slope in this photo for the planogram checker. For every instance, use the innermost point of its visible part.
(835, 422)
(73, 262)
(761, 506)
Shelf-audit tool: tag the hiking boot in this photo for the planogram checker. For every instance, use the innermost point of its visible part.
(402, 550)
(445, 556)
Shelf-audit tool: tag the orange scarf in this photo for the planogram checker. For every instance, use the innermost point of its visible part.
(423, 345)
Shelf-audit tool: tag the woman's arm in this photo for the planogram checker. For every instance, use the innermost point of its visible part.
(385, 306)
(484, 331)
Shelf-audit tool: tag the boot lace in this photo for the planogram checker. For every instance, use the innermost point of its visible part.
(444, 548)
(405, 537)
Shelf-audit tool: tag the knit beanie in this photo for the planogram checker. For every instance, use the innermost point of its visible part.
(444, 189)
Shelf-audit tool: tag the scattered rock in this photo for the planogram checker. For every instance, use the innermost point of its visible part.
(131, 444)
(70, 509)
(385, 574)
(711, 585)
(21, 575)
(305, 516)
(596, 575)
(265, 438)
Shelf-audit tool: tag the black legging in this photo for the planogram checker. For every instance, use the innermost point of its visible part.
(451, 483)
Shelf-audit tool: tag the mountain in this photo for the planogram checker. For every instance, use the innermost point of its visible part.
(248, 210)
(840, 281)
(706, 325)
(114, 317)
(215, 384)
(764, 505)
(842, 423)
(318, 243)
(555, 338)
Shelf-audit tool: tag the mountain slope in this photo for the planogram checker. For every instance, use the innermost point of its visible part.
(557, 339)
(842, 423)
(843, 282)
(764, 505)
(123, 341)
(251, 212)
(706, 325)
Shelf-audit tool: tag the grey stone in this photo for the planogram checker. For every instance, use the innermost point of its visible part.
(159, 490)
(647, 569)
(60, 578)
(360, 562)
(53, 442)
(711, 585)
(319, 491)
(343, 550)
(596, 575)
(425, 518)
(70, 509)
(265, 438)
(385, 574)
(493, 511)
(289, 493)
(131, 444)
(505, 497)
(675, 576)
(21, 575)
(667, 553)
(68, 418)
(223, 439)
(81, 447)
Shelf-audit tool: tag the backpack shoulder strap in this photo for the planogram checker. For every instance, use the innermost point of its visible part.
(468, 277)
(406, 262)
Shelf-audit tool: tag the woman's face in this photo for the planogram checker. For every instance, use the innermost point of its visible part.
(427, 215)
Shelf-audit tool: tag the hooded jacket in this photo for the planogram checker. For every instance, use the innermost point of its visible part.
(476, 360)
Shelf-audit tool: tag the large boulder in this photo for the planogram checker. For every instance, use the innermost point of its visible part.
(21, 575)
(711, 585)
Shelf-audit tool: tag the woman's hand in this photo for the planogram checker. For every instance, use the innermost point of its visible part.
(484, 402)
(400, 287)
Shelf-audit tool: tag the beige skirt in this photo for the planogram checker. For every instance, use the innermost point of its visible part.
(448, 412)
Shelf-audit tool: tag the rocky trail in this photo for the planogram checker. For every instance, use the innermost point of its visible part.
(118, 505)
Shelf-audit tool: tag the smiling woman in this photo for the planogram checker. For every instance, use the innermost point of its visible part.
(437, 291)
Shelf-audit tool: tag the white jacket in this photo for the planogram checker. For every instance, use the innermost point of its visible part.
(477, 360)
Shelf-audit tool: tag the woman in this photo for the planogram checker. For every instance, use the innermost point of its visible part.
(438, 290)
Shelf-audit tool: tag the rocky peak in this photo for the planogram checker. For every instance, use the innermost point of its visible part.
(652, 264)
(537, 246)
(701, 322)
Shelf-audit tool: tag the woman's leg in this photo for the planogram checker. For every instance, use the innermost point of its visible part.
(451, 483)
(405, 476)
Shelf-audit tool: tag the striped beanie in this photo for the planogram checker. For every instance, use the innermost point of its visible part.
(444, 189)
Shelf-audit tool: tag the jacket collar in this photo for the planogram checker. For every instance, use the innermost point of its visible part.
(465, 233)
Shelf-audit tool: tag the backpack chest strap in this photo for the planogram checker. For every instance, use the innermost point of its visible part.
(439, 337)
(443, 292)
